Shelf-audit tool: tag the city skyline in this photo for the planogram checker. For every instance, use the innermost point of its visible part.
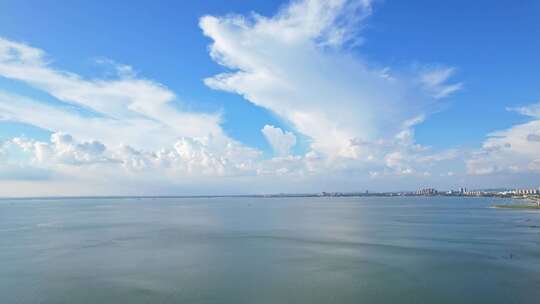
(267, 97)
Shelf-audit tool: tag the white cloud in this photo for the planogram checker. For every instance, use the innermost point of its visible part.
(186, 157)
(127, 129)
(515, 150)
(281, 142)
(333, 96)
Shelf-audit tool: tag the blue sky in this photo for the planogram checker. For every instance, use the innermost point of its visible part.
(484, 53)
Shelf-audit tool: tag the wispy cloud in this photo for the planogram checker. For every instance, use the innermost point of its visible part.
(137, 108)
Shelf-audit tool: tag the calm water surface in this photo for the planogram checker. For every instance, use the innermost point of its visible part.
(276, 250)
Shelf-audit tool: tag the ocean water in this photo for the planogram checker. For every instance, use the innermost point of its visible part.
(268, 250)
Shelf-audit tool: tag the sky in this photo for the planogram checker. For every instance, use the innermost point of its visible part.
(249, 97)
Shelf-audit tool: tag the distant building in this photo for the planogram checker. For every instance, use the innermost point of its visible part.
(474, 193)
(526, 191)
(427, 191)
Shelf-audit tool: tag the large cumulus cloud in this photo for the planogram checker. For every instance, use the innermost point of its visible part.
(298, 65)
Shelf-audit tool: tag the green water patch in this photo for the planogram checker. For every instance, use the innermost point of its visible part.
(518, 206)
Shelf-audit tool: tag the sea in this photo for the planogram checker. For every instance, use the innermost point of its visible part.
(268, 250)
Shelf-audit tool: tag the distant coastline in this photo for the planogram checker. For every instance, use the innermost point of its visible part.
(532, 198)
